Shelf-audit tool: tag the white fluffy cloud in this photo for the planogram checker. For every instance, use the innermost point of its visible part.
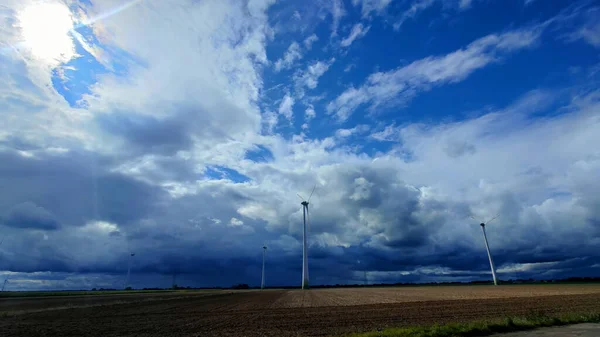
(309, 41)
(286, 107)
(337, 12)
(401, 84)
(310, 77)
(368, 6)
(590, 29)
(358, 31)
(292, 54)
(418, 6)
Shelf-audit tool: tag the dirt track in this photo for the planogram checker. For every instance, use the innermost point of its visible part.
(294, 313)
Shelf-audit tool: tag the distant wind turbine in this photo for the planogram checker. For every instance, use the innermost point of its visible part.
(487, 247)
(365, 273)
(262, 282)
(306, 218)
(4, 284)
(131, 255)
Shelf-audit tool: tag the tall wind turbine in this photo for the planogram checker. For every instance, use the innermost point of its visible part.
(262, 282)
(4, 284)
(306, 218)
(487, 246)
(131, 255)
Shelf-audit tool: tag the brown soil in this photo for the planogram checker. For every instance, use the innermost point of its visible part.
(318, 312)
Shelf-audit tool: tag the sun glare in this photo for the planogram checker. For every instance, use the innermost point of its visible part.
(45, 30)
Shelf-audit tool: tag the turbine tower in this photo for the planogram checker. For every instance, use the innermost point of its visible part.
(306, 218)
(262, 282)
(487, 247)
(131, 255)
(4, 284)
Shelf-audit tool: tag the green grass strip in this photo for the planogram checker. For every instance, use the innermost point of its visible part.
(485, 328)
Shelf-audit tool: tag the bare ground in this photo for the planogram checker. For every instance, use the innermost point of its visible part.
(319, 312)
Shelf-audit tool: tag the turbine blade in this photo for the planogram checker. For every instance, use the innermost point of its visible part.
(311, 193)
(472, 217)
(492, 219)
(299, 196)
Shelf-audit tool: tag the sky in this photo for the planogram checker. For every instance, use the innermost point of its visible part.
(182, 131)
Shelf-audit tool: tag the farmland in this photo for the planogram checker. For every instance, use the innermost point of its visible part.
(318, 312)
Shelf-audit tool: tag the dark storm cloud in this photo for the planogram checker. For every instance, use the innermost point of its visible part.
(74, 187)
(29, 215)
(180, 127)
(465, 258)
(192, 235)
(148, 133)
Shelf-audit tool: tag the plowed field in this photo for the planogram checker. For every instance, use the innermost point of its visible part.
(317, 312)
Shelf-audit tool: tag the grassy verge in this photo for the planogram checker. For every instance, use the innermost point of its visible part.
(486, 328)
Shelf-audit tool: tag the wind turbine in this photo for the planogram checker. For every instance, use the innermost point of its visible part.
(306, 219)
(131, 255)
(262, 282)
(4, 284)
(487, 247)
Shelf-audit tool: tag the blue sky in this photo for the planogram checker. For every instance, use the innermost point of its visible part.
(182, 131)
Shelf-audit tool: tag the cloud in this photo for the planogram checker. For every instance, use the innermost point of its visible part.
(29, 215)
(232, 55)
(308, 42)
(389, 133)
(368, 6)
(401, 84)
(292, 54)
(286, 106)
(464, 4)
(337, 12)
(310, 112)
(418, 6)
(357, 32)
(310, 77)
(82, 182)
(359, 129)
(589, 30)
(269, 121)
(365, 207)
